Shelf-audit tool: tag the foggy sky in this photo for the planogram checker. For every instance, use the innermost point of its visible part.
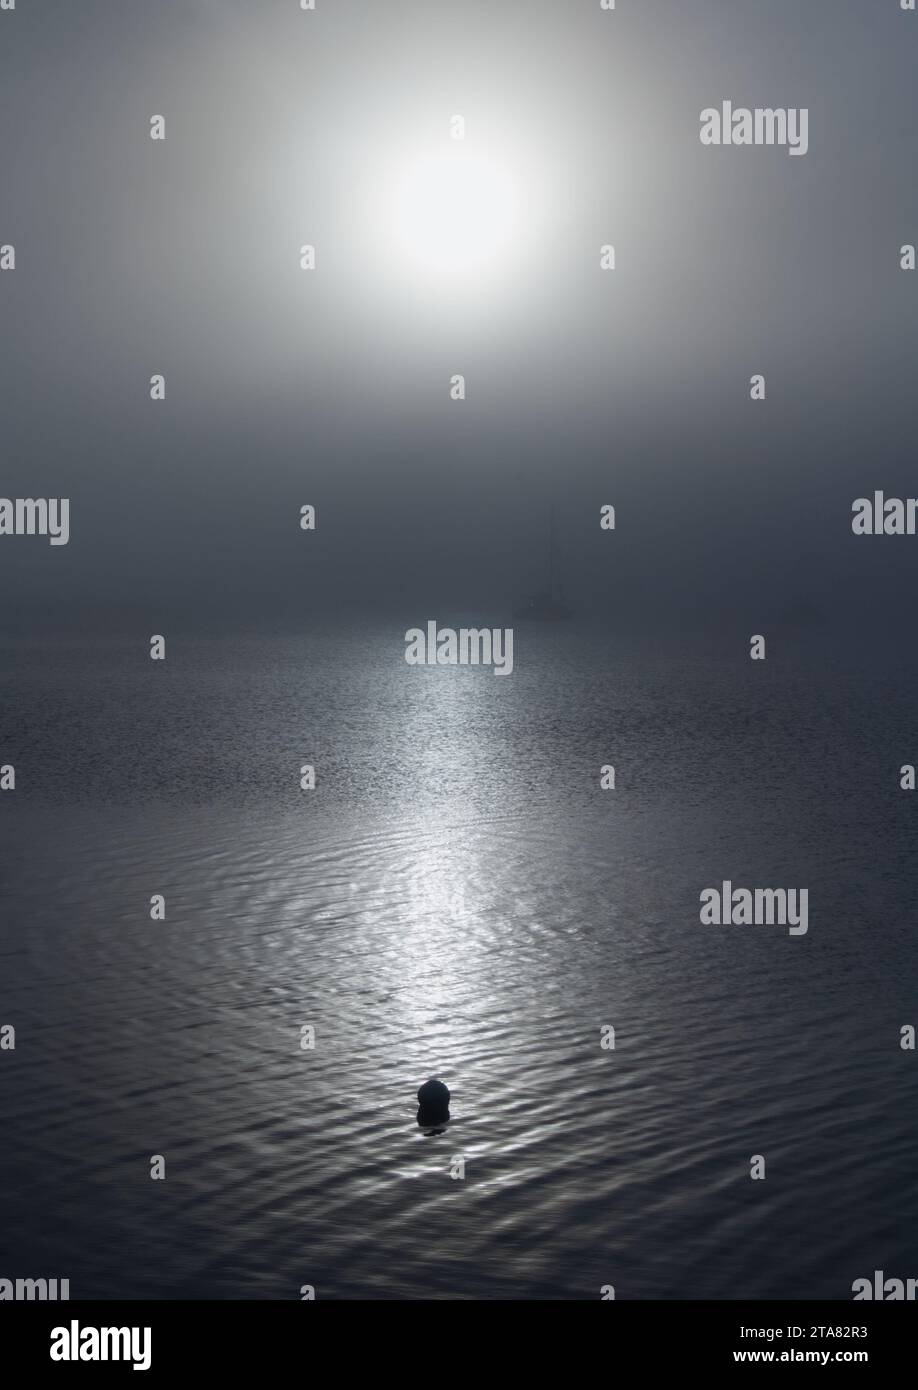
(331, 387)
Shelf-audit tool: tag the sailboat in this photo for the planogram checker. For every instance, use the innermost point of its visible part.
(548, 605)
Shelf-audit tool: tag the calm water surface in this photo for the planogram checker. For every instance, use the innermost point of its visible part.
(457, 897)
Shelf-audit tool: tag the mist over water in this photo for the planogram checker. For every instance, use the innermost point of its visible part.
(717, 342)
(457, 897)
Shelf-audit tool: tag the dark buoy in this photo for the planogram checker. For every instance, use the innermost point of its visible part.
(433, 1104)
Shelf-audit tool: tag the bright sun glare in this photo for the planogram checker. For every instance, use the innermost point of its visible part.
(452, 214)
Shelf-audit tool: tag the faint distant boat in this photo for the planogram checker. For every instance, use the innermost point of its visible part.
(544, 607)
(801, 612)
(548, 605)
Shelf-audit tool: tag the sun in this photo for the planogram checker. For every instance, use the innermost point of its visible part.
(452, 214)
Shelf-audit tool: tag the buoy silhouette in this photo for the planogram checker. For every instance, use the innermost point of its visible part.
(433, 1103)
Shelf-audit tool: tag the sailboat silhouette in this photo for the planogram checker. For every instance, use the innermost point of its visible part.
(548, 605)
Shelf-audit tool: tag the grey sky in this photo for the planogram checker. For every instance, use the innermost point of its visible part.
(331, 387)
